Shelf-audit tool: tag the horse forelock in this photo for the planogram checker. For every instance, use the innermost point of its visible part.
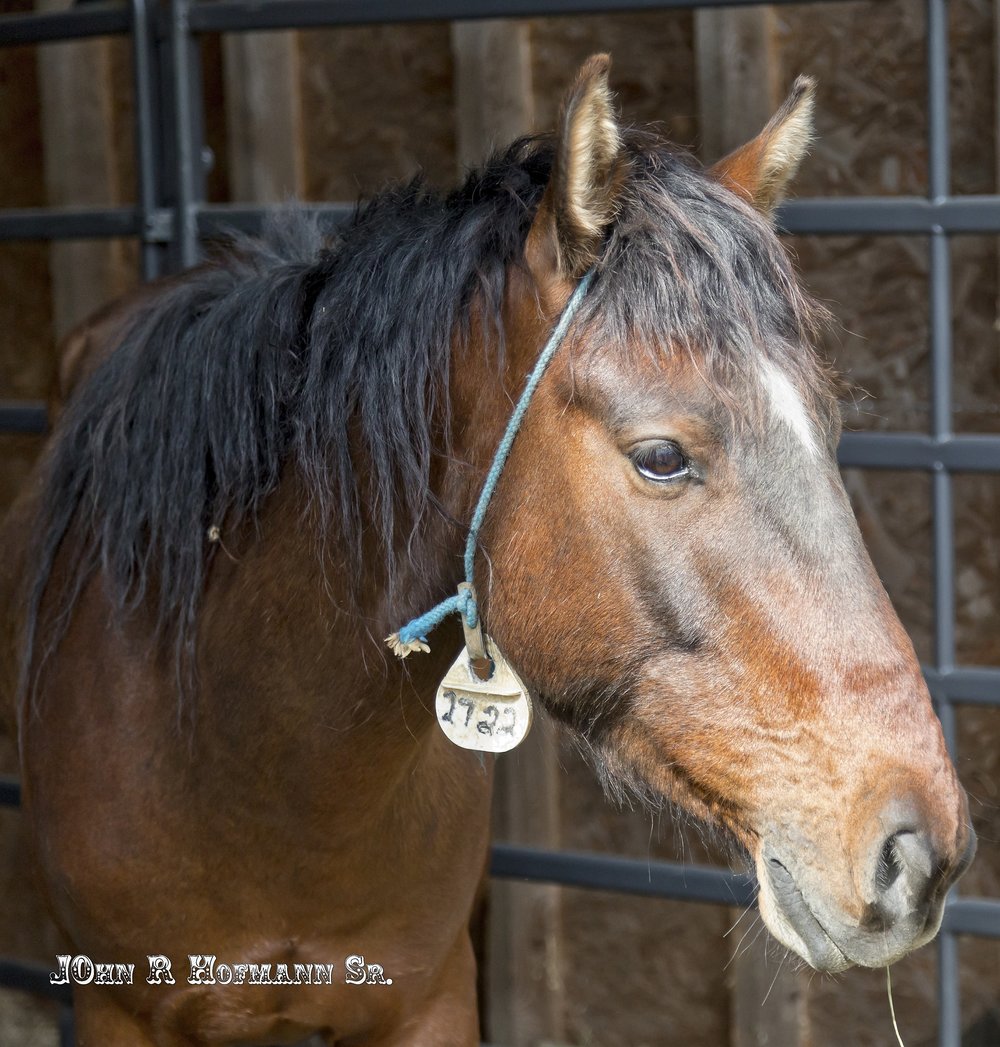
(331, 355)
(690, 268)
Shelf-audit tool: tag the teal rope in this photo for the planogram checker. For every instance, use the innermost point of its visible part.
(464, 604)
(418, 628)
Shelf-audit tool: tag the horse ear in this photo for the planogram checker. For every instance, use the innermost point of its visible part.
(587, 173)
(761, 170)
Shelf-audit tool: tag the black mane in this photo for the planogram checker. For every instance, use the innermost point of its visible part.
(272, 353)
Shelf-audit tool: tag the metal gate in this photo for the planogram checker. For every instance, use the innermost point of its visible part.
(171, 215)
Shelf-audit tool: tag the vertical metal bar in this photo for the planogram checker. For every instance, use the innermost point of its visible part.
(938, 187)
(944, 575)
(186, 229)
(196, 127)
(147, 196)
(949, 1003)
(939, 149)
(941, 423)
(67, 1032)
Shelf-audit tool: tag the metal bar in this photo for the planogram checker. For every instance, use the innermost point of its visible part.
(938, 179)
(938, 143)
(605, 873)
(67, 1030)
(58, 223)
(943, 515)
(949, 999)
(244, 15)
(73, 24)
(974, 454)
(974, 916)
(10, 792)
(898, 215)
(979, 917)
(185, 228)
(144, 92)
(966, 686)
(856, 216)
(860, 216)
(31, 977)
(215, 219)
(944, 570)
(23, 417)
(200, 155)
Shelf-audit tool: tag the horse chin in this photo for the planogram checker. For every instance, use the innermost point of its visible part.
(824, 940)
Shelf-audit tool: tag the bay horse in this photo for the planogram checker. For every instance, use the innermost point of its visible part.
(269, 464)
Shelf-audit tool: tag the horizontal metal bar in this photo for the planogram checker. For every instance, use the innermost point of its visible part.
(214, 219)
(693, 883)
(860, 215)
(902, 215)
(72, 24)
(243, 15)
(58, 223)
(856, 216)
(23, 416)
(104, 19)
(965, 686)
(10, 792)
(690, 883)
(31, 977)
(28, 223)
(878, 450)
(976, 916)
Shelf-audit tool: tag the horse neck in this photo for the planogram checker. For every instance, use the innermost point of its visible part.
(289, 639)
(306, 590)
(294, 673)
(486, 381)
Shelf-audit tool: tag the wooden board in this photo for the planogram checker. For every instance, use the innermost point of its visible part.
(494, 103)
(264, 116)
(738, 86)
(75, 82)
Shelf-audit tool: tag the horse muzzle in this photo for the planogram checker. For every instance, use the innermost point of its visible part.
(896, 906)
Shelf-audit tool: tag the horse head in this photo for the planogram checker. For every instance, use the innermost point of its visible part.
(671, 560)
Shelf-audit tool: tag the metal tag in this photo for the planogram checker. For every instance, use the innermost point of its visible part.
(491, 716)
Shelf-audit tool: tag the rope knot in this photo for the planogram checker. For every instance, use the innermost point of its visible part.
(468, 609)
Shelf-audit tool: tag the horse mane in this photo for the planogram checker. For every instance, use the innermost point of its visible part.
(318, 351)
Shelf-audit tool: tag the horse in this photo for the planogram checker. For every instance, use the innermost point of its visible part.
(266, 465)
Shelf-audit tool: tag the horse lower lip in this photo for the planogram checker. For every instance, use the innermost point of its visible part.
(824, 953)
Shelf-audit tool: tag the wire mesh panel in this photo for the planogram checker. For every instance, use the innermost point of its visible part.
(171, 216)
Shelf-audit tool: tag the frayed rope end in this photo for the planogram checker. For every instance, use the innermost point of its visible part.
(413, 636)
(401, 648)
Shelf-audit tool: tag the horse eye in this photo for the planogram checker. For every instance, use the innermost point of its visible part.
(660, 461)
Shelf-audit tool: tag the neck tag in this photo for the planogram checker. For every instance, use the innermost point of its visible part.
(489, 716)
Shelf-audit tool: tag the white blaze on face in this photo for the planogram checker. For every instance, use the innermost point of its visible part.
(787, 405)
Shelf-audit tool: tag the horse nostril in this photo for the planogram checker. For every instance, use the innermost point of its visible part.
(905, 869)
(889, 866)
(778, 870)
